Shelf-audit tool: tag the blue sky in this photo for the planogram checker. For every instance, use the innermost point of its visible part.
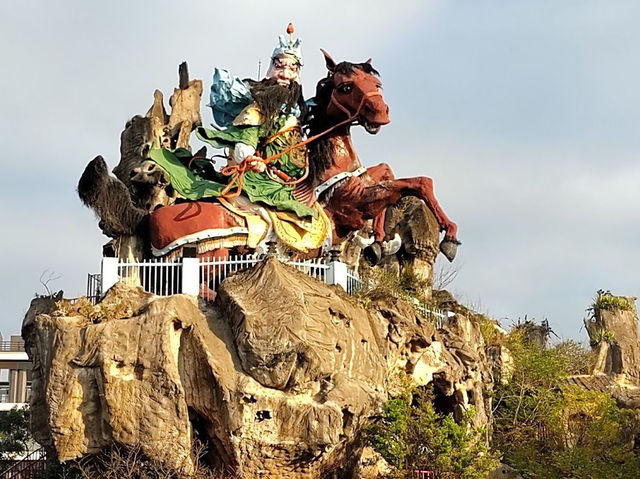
(525, 113)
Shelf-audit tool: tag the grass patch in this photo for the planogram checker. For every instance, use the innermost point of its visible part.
(609, 302)
(94, 313)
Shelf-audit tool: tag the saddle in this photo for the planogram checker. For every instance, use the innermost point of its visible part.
(232, 222)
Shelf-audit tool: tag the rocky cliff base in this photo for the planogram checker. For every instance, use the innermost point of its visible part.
(278, 377)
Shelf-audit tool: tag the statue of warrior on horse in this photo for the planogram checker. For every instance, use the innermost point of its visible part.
(292, 175)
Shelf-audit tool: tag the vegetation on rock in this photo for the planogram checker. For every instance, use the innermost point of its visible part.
(411, 435)
(609, 302)
(602, 335)
(97, 313)
(488, 329)
(407, 286)
(549, 430)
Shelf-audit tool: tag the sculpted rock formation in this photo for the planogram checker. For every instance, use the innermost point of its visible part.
(277, 377)
(140, 186)
(613, 331)
(418, 229)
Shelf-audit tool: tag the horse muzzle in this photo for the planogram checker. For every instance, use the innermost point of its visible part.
(374, 116)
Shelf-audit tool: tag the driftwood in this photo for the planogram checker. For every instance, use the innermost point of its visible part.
(148, 185)
(173, 131)
(140, 185)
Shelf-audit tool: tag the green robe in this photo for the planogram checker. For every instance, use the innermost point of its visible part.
(258, 187)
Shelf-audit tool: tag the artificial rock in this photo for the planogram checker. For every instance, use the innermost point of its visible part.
(278, 376)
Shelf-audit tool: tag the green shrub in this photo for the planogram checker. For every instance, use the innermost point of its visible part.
(412, 435)
(488, 330)
(548, 429)
(602, 335)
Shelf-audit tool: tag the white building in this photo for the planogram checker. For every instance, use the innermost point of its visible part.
(15, 373)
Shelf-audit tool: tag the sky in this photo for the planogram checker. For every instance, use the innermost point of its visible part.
(526, 114)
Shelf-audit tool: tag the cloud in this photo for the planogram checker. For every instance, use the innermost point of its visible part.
(526, 115)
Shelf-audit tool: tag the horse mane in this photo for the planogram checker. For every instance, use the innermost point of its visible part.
(320, 151)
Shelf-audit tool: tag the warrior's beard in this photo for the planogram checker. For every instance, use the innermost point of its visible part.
(271, 97)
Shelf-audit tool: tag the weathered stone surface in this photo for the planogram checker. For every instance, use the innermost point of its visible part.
(114, 381)
(420, 234)
(313, 333)
(372, 465)
(279, 375)
(618, 356)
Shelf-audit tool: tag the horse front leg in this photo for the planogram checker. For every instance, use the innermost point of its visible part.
(422, 187)
(390, 192)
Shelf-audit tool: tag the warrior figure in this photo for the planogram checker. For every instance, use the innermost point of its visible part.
(259, 126)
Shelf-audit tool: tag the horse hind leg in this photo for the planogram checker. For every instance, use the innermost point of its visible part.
(422, 187)
(378, 173)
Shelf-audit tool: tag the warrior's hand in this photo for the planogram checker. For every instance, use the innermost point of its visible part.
(255, 163)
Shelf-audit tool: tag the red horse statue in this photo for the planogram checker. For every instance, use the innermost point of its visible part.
(351, 193)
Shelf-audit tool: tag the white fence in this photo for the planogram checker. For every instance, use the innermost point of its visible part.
(213, 271)
(94, 285)
(199, 277)
(202, 277)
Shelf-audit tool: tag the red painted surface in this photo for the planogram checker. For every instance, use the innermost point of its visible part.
(367, 197)
(170, 223)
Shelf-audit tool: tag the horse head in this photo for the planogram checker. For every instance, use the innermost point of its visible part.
(352, 91)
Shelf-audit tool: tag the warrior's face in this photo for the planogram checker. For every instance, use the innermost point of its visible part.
(284, 69)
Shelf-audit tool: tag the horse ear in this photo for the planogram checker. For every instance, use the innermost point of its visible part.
(368, 61)
(331, 64)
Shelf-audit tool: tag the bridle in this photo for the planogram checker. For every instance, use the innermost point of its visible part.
(350, 117)
(237, 171)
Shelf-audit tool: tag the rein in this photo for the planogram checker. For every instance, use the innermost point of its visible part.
(237, 171)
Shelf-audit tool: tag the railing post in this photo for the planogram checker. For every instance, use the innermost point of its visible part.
(191, 276)
(337, 273)
(108, 274)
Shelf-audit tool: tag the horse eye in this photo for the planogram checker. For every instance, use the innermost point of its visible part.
(345, 87)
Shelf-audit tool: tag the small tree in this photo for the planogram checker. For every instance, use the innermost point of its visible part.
(412, 435)
(14, 434)
(549, 430)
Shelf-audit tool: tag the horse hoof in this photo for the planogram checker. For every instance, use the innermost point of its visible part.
(373, 254)
(392, 246)
(449, 248)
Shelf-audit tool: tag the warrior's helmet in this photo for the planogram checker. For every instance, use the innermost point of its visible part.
(287, 46)
(286, 58)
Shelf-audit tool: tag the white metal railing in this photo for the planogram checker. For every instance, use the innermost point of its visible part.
(354, 283)
(438, 316)
(94, 283)
(202, 277)
(357, 285)
(160, 276)
(215, 270)
(316, 268)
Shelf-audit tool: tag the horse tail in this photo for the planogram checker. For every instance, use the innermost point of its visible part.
(110, 199)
